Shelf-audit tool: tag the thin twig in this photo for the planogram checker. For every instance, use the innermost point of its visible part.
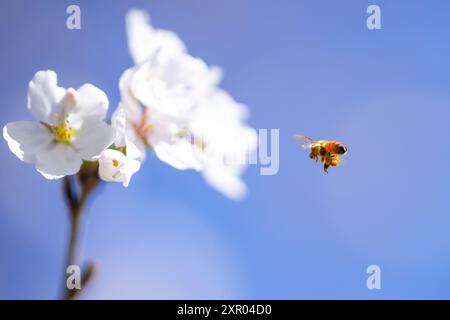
(76, 204)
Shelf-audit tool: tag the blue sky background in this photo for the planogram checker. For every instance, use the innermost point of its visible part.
(307, 67)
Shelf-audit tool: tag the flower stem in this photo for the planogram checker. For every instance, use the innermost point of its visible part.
(88, 181)
(74, 227)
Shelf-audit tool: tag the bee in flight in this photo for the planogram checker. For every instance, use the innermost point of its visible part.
(327, 151)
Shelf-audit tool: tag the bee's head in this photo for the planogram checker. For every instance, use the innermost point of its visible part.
(340, 148)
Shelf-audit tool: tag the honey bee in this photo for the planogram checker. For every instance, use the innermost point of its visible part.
(327, 151)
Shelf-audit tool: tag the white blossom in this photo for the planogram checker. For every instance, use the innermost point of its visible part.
(174, 107)
(114, 166)
(119, 165)
(68, 130)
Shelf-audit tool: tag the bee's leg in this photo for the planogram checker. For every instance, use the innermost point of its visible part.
(326, 159)
(313, 155)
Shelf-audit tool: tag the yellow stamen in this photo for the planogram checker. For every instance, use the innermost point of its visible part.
(62, 131)
(115, 163)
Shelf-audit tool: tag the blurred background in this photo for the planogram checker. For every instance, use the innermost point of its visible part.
(308, 67)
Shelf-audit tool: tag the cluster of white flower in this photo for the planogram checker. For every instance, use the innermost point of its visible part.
(170, 103)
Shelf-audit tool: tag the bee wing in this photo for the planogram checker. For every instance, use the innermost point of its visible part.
(304, 140)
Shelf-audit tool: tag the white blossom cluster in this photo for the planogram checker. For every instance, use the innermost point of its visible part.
(170, 104)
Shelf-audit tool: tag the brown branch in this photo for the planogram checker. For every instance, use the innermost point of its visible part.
(88, 181)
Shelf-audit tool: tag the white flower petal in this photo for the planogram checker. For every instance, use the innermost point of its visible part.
(192, 72)
(181, 155)
(50, 176)
(58, 160)
(119, 125)
(157, 93)
(136, 147)
(135, 151)
(172, 86)
(93, 137)
(124, 137)
(44, 95)
(132, 107)
(26, 138)
(132, 167)
(144, 40)
(91, 103)
(225, 180)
